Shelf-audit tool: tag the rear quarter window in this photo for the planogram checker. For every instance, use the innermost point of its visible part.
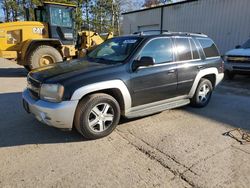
(209, 48)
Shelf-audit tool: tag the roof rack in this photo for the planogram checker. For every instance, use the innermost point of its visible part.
(189, 33)
(150, 32)
(158, 32)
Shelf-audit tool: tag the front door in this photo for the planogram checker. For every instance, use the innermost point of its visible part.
(157, 82)
(61, 24)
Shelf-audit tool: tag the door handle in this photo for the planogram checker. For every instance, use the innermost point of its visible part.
(171, 71)
(200, 67)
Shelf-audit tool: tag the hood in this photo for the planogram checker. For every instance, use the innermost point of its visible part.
(63, 71)
(239, 52)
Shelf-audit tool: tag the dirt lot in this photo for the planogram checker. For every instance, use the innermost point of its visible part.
(184, 147)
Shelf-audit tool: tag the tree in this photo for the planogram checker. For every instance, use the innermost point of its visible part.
(6, 10)
(97, 15)
(151, 3)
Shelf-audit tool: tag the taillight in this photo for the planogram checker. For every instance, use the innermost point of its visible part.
(221, 68)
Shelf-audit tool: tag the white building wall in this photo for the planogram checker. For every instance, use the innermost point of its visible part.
(145, 19)
(227, 22)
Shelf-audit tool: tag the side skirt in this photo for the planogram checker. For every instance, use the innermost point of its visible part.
(144, 110)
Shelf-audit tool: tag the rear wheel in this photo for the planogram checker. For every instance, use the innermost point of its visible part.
(202, 94)
(42, 56)
(97, 116)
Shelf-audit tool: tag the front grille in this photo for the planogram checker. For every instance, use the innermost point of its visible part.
(33, 87)
(34, 95)
(241, 68)
(238, 59)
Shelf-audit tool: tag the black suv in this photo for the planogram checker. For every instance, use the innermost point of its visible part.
(126, 76)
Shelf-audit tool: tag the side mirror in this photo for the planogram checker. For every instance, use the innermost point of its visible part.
(143, 62)
(238, 46)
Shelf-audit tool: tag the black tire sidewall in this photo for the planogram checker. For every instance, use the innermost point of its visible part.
(84, 114)
(40, 51)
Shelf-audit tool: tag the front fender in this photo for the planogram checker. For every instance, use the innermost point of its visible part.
(112, 84)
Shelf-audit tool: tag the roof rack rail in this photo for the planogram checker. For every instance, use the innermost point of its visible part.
(189, 33)
(158, 32)
(200, 34)
(150, 32)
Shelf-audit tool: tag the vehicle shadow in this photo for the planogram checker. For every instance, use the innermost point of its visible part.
(13, 72)
(239, 81)
(19, 128)
(231, 110)
(229, 103)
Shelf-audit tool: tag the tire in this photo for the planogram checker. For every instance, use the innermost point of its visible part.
(42, 56)
(229, 75)
(91, 109)
(202, 94)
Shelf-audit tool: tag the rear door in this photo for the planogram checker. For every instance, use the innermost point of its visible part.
(157, 82)
(189, 63)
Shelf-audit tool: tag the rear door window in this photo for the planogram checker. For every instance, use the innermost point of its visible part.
(209, 48)
(183, 49)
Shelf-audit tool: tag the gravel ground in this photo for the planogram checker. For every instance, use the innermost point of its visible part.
(184, 147)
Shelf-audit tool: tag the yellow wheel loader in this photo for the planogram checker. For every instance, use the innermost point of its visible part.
(51, 38)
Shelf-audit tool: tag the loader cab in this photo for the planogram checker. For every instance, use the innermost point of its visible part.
(60, 21)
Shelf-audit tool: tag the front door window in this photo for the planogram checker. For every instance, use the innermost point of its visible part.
(160, 49)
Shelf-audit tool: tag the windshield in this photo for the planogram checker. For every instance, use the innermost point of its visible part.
(246, 45)
(61, 16)
(115, 49)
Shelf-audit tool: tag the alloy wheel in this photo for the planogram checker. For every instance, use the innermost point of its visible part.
(101, 117)
(204, 93)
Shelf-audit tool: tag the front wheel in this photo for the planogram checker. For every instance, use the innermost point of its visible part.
(42, 56)
(97, 116)
(202, 94)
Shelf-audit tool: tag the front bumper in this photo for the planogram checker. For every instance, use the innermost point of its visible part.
(237, 67)
(60, 115)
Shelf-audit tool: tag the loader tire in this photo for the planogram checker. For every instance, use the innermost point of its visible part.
(42, 56)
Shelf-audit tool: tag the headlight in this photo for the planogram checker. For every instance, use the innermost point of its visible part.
(52, 92)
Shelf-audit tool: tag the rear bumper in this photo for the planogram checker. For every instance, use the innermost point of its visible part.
(60, 115)
(219, 78)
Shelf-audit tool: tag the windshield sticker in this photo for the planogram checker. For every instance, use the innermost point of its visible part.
(131, 41)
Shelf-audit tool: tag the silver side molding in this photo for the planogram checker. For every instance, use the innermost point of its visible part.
(159, 106)
(202, 73)
(112, 84)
